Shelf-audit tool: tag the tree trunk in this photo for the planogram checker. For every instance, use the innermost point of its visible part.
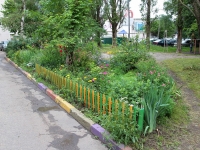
(98, 19)
(99, 39)
(179, 40)
(23, 18)
(114, 34)
(197, 14)
(148, 24)
(179, 27)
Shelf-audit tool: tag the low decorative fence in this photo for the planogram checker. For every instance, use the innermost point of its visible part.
(92, 99)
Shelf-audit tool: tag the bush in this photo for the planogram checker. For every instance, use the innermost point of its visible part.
(129, 89)
(23, 57)
(130, 55)
(52, 56)
(21, 44)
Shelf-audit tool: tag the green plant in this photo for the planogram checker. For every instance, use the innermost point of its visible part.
(129, 88)
(155, 101)
(129, 55)
(122, 129)
(150, 71)
(52, 57)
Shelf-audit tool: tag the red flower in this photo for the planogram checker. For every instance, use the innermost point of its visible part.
(60, 50)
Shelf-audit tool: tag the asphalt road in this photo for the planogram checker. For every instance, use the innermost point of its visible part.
(30, 120)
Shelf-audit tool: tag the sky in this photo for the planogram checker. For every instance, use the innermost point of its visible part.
(135, 7)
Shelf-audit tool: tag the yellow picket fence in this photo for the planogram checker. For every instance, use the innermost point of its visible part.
(92, 99)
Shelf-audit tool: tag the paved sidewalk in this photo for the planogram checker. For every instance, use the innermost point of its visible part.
(30, 120)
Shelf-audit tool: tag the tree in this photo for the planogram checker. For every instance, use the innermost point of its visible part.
(174, 8)
(164, 22)
(146, 9)
(70, 27)
(179, 27)
(194, 7)
(17, 16)
(99, 16)
(115, 12)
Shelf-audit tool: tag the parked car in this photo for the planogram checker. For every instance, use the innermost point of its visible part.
(166, 42)
(153, 39)
(156, 41)
(1, 46)
(186, 43)
(5, 43)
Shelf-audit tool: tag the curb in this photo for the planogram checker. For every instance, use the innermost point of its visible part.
(87, 123)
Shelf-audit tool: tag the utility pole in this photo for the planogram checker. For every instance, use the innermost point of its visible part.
(158, 28)
(128, 19)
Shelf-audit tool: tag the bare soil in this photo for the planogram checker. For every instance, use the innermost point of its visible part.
(189, 140)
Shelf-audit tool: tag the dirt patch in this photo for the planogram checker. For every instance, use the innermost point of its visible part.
(189, 140)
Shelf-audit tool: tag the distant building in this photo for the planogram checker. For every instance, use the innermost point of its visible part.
(136, 27)
(5, 35)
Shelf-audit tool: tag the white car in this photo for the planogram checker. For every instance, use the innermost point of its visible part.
(5, 43)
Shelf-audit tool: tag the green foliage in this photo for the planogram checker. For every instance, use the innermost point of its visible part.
(128, 88)
(161, 24)
(149, 70)
(23, 57)
(51, 57)
(130, 54)
(155, 101)
(13, 12)
(122, 129)
(86, 56)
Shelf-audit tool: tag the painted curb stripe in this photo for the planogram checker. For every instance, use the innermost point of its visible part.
(42, 87)
(100, 132)
(51, 94)
(66, 106)
(29, 76)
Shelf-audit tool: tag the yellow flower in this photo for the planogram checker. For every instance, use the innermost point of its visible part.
(90, 81)
(85, 77)
(94, 78)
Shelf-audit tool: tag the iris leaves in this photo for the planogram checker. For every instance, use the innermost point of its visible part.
(155, 103)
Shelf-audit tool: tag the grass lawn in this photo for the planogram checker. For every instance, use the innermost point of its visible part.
(106, 48)
(188, 70)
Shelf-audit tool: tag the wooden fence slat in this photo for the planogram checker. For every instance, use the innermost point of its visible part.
(101, 102)
(131, 112)
(109, 105)
(84, 96)
(88, 97)
(93, 104)
(98, 102)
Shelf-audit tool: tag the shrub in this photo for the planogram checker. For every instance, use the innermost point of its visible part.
(129, 89)
(129, 55)
(150, 71)
(52, 57)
